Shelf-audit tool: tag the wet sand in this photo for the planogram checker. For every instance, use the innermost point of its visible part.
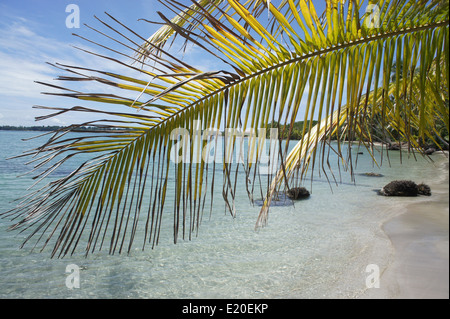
(419, 267)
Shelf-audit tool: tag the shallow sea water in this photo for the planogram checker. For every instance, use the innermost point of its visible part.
(317, 248)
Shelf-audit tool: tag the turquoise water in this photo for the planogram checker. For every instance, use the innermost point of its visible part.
(316, 248)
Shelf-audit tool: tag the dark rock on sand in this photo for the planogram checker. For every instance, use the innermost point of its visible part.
(297, 193)
(429, 151)
(424, 189)
(372, 174)
(405, 188)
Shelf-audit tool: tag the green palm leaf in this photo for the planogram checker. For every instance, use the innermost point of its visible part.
(335, 69)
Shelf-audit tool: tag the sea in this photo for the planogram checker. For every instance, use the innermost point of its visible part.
(323, 247)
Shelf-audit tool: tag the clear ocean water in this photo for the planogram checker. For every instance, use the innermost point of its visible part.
(317, 248)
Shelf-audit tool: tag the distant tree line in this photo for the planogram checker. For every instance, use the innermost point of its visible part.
(28, 128)
(54, 128)
(389, 137)
(285, 130)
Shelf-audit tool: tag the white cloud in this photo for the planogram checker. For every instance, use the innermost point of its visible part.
(24, 51)
(18, 76)
(23, 57)
(57, 121)
(20, 61)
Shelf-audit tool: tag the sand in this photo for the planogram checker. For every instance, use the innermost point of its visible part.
(419, 234)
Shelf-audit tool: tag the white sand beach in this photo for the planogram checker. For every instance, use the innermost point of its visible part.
(419, 267)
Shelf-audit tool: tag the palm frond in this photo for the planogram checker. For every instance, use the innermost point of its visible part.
(335, 68)
(367, 129)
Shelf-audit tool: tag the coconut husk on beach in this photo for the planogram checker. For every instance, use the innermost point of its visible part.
(405, 188)
(298, 193)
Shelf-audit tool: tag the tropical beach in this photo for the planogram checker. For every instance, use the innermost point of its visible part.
(288, 149)
(409, 245)
(316, 248)
(419, 233)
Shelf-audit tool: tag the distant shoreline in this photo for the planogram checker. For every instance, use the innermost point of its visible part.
(82, 129)
(94, 129)
(28, 128)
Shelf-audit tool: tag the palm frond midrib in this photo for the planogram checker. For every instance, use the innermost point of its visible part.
(294, 60)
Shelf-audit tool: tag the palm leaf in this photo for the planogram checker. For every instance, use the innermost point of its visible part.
(406, 124)
(335, 68)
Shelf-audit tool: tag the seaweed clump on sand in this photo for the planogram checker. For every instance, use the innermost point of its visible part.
(297, 193)
(405, 188)
(424, 189)
(371, 174)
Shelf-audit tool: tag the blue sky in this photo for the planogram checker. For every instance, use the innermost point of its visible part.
(33, 32)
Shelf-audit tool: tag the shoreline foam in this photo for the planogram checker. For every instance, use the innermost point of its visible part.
(419, 234)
